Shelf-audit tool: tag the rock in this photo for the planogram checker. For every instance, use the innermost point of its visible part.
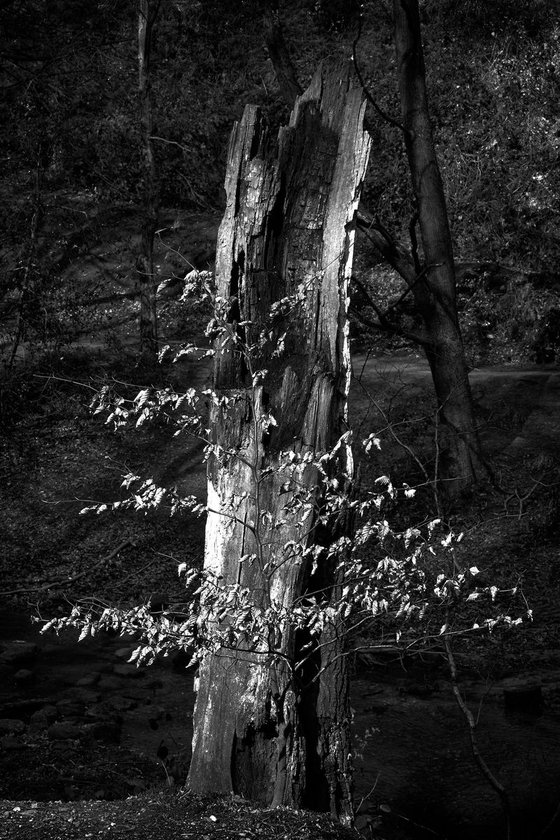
(136, 785)
(9, 726)
(109, 684)
(42, 718)
(63, 731)
(107, 731)
(82, 695)
(89, 680)
(24, 676)
(19, 653)
(22, 709)
(363, 823)
(103, 712)
(128, 671)
(121, 704)
(10, 742)
(71, 708)
(137, 691)
(64, 748)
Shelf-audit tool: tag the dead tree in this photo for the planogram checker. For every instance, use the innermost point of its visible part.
(267, 727)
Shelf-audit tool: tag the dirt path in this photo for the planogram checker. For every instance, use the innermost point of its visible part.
(527, 400)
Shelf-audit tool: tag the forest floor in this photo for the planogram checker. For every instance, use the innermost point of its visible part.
(56, 458)
(165, 815)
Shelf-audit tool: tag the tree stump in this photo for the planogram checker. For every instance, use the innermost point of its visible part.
(264, 728)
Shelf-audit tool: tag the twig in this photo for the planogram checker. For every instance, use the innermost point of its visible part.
(383, 322)
(392, 251)
(479, 760)
(418, 825)
(138, 572)
(169, 142)
(391, 429)
(64, 379)
(550, 823)
(368, 794)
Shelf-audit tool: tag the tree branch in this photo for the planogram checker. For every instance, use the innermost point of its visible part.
(384, 323)
(469, 717)
(393, 252)
(384, 116)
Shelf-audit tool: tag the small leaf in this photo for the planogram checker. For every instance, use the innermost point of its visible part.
(84, 633)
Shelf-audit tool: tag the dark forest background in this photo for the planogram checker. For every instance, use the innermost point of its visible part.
(71, 128)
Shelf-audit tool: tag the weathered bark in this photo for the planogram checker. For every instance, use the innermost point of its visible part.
(147, 14)
(265, 728)
(460, 460)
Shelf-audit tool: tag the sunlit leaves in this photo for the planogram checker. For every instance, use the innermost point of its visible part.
(149, 496)
(301, 516)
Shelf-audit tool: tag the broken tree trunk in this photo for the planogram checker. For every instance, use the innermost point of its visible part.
(265, 726)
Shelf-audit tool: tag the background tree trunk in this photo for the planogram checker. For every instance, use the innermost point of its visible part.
(460, 460)
(147, 14)
(265, 728)
(279, 54)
